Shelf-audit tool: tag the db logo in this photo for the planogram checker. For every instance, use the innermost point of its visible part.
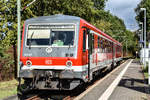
(48, 61)
(49, 50)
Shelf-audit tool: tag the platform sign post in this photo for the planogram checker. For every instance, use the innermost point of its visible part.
(149, 65)
(149, 69)
(18, 38)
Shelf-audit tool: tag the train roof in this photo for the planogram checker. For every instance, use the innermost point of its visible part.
(54, 18)
(102, 33)
(65, 19)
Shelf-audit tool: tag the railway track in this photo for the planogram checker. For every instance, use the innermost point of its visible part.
(67, 98)
(62, 95)
(47, 95)
(34, 98)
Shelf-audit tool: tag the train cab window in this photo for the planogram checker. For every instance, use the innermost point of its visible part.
(60, 38)
(34, 37)
(54, 35)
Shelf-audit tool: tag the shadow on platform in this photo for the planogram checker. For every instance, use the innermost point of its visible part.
(135, 84)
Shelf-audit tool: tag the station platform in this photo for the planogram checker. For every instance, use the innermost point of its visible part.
(125, 82)
(132, 86)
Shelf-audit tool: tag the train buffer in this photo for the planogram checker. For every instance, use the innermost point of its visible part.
(125, 82)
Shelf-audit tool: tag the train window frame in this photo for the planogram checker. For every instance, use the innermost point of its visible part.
(93, 37)
(75, 34)
(84, 40)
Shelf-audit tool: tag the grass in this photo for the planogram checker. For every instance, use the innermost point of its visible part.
(8, 88)
(146, 75)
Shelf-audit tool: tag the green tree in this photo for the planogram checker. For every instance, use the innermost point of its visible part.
(90, 10)
(99, 4)
(140, 14)
(8, 16)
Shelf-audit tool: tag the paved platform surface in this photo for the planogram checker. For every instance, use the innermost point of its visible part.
(132, 85)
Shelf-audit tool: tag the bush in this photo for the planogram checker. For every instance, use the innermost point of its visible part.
(6, 65)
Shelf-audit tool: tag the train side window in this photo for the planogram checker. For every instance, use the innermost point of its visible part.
(109, 46)
(98, 42)
(84, 40)
(106, 46)
(102, 45)
(92, 45)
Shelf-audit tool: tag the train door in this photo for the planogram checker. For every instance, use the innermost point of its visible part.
(84, 52)
(88, 45)
(91, 56)
(87, 50)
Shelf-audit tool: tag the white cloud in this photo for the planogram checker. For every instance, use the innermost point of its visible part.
(124, 9)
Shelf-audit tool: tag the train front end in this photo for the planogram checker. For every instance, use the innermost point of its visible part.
(49, 53)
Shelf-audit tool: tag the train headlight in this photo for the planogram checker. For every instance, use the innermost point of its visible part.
(28, 63)
(69, 63)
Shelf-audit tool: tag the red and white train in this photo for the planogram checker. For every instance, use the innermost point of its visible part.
(61, 52)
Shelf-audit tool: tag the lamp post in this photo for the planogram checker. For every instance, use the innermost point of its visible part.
(141, 45)
(140, 35)
(18, 36)
(141, 54)
(144, 9)
(18, 30)
(141, 23)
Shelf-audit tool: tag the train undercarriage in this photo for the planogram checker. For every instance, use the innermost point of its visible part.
(51, 80)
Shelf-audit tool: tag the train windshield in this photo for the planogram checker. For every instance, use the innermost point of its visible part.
(50, 35)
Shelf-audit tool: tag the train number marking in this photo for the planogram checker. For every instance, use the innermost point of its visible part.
(28, 54)
(48, 61)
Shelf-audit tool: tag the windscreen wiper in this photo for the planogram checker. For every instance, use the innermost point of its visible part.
(30, 40)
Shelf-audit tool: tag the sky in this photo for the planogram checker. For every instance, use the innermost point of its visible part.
(124, 9)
